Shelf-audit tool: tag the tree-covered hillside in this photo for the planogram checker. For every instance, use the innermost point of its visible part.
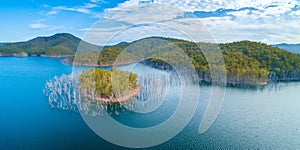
(58, 44)
(247, 63)
(271, 62)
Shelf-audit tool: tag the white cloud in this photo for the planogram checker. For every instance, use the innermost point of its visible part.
(263, 8)
(139, 14)
(295, 13)
(269, 20)
(243, 13)
(89, 5)
(130, 23)
(77, 9)
(279, 9)
(38, 26)
(226, 29)
(53, 12)
(213, 5)
(99, 1)
(86, 9)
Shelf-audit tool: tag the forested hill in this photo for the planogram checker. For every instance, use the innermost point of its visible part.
(260, 62)
(247, 63)
(56, 45)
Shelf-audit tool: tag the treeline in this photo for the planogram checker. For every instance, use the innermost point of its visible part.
(246, 62)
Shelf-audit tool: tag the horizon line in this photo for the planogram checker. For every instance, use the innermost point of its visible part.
(45, 36)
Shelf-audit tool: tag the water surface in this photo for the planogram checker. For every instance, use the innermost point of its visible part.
(264, 119)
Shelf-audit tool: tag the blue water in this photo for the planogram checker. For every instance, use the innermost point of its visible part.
(256, 119)
(26, 120)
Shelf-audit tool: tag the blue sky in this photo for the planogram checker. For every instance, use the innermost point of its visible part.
(26, 19)
(269, 21)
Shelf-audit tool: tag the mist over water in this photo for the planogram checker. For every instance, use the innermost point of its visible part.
(265, 119)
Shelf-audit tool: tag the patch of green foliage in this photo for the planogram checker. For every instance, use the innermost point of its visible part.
(246, 62)
(108, 83)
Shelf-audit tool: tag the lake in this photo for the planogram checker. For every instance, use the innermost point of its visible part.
(256, 119)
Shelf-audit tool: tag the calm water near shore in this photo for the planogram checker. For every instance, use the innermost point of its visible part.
(264, 119)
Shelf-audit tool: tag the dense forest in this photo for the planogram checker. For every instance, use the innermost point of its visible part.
(247, 63)
(57, 45)
(107, 83)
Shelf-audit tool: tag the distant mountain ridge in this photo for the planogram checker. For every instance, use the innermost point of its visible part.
(295, 48)
(57, 45)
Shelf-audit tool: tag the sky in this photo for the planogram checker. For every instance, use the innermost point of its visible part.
(268, 21)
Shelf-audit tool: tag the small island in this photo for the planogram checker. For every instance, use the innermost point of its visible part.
(108, 86)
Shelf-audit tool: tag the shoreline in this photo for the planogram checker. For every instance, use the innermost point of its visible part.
(201, 81)
(107, 100)
(33, 55)
(68, 62)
